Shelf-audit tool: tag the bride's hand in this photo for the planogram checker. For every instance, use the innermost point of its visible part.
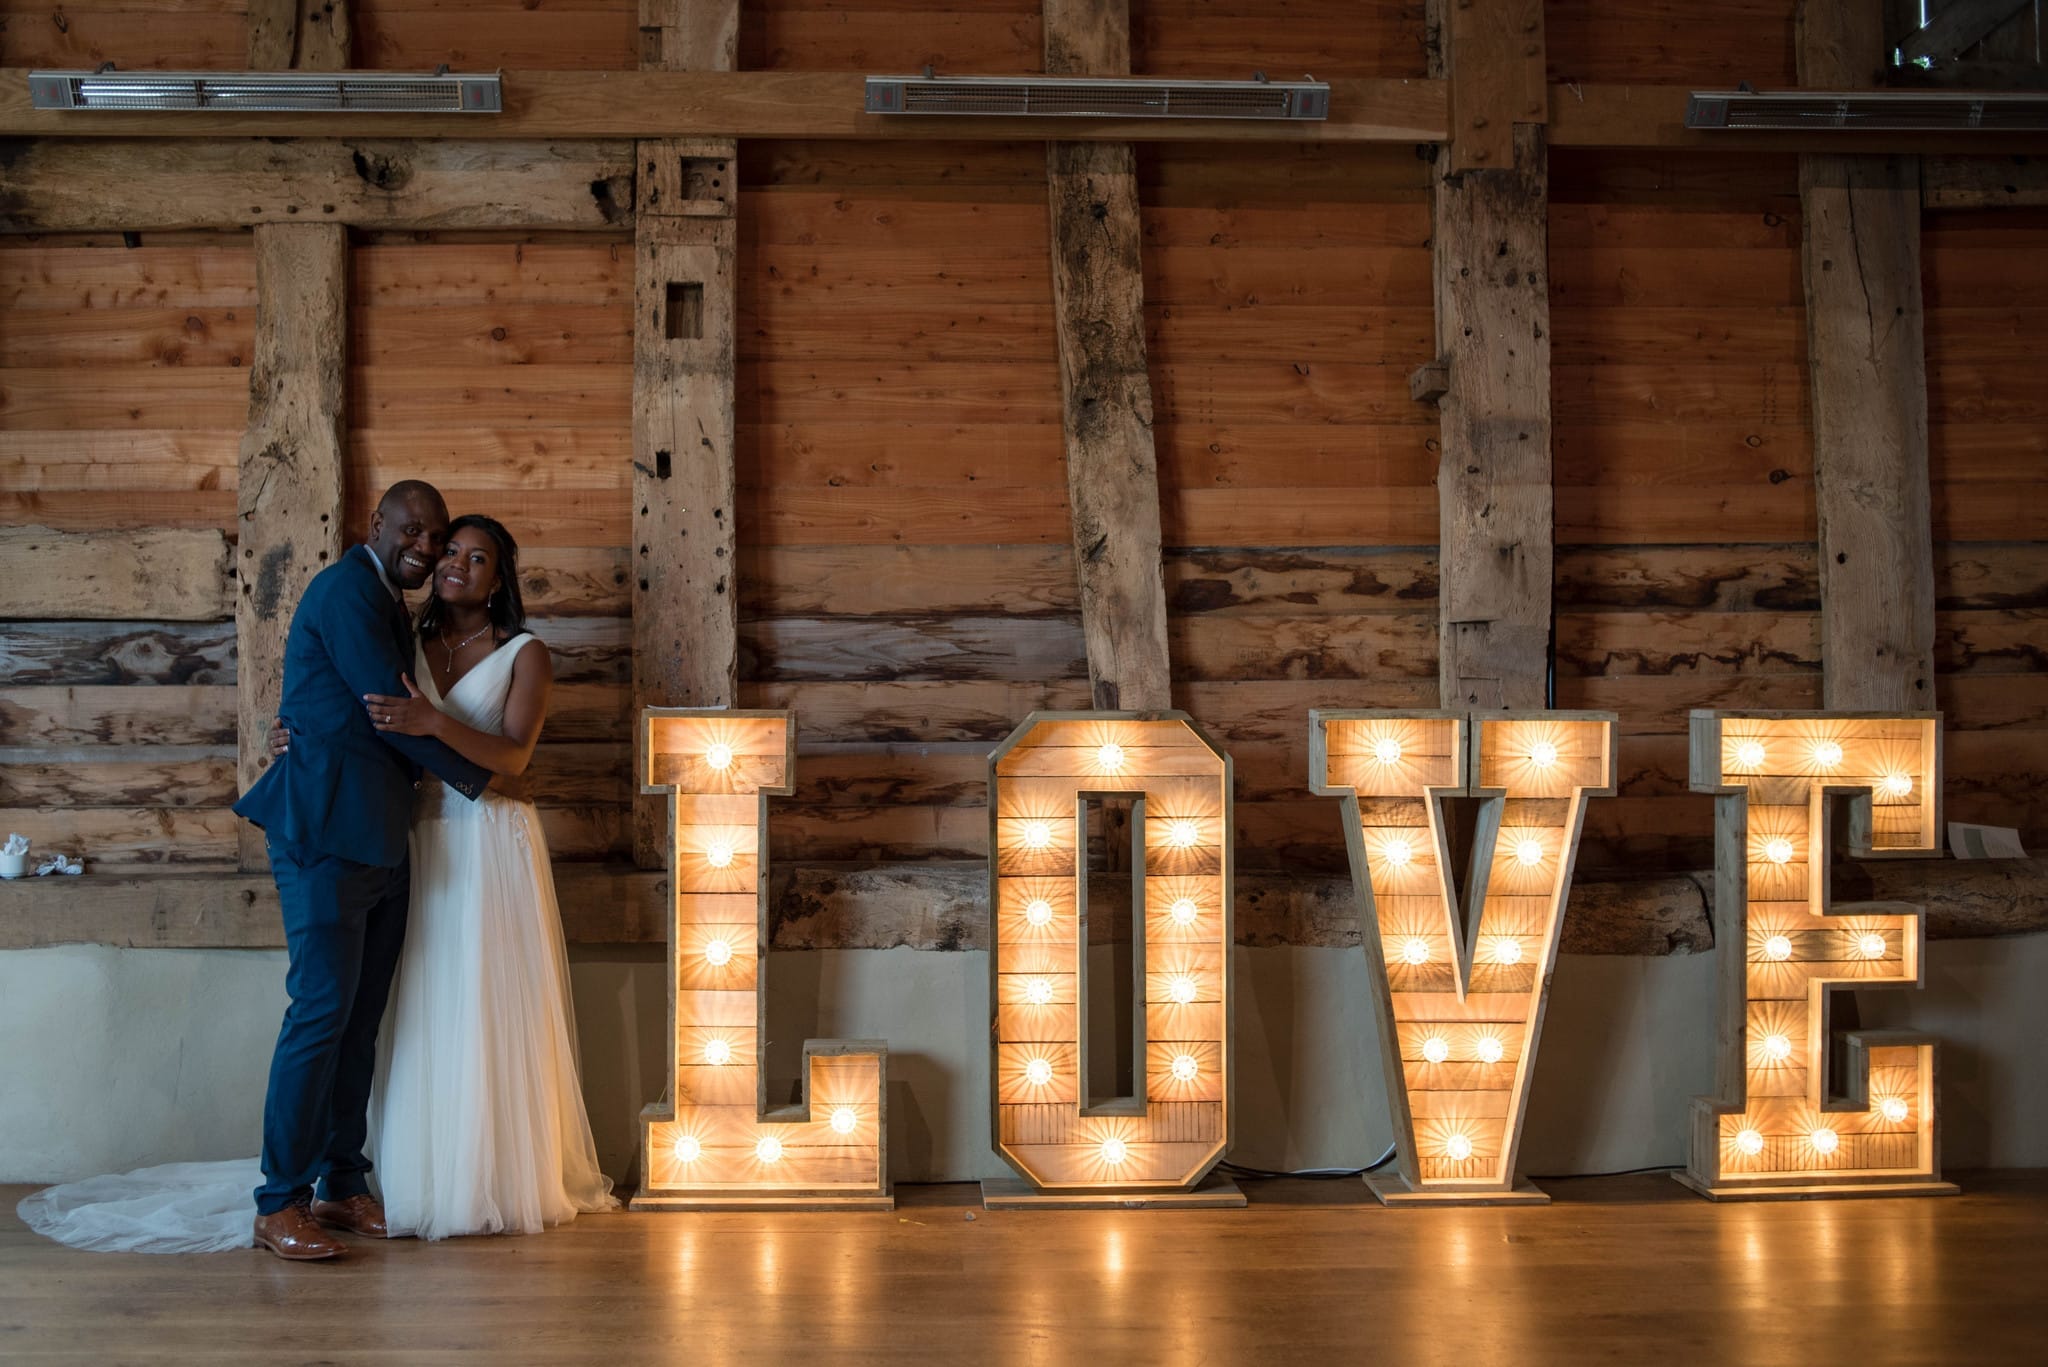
(408, 716)
(280, 738)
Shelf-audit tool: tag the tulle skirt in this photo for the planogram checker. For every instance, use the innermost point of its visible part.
(477, 1122)
(480, 1126)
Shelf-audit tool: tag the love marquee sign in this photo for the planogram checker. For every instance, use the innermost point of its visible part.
(1460, 967)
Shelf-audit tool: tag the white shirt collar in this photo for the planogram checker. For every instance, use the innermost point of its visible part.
(383, 574)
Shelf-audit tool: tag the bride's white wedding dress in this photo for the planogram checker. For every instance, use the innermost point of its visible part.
(477, 1121)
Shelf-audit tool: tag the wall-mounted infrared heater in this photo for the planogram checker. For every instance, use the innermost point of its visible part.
(268, 92)
(1885, 111)
(1082, 97)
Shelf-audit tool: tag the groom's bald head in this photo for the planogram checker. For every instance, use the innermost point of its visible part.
(409, 530)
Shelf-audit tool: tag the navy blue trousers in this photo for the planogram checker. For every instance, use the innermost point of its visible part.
(344, 925)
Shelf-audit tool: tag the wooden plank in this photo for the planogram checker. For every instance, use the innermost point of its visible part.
(942, 906)
(1494, 482)
(289, 490)
(169, 714)
(117, 653)
(1106, 391)
(157, 574)
(1957, 26)
(685, 513)
(118, 776)
(1860, 264)
(1983, 182)
(145, 185)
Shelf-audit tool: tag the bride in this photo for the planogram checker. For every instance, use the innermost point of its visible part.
(478, 1117)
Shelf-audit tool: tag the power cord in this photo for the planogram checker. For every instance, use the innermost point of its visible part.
(1307, 1174)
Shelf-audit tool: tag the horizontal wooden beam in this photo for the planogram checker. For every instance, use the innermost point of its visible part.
(1983, 182)
(942, 906)
(128, 184)
(558, 105)
(156, 575)
(737, 104)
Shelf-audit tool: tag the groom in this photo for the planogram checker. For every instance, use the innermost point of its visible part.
(336, 809)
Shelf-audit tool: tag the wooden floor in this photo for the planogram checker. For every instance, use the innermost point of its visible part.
(1626, 1270)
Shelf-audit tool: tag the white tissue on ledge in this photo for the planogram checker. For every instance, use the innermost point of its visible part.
(17, 843)
(57, 863)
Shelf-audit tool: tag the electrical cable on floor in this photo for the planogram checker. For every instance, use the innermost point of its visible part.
(1307, 1174)
(1618, 1172)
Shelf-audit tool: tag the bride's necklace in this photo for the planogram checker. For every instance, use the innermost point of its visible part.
(451, 650)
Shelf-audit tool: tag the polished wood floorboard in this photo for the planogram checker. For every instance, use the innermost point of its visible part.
(1621, 1270)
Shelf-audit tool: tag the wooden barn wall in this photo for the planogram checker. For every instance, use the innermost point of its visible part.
(1685, 524)
(123, 392)
(1985, 283)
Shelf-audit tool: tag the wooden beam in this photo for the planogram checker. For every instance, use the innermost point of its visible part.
(312, 35)
(1489, 252)
(1595, 114)
(1958, 25)
(1866, 359)
(685, 554)
(943, 906)
(158, 574)
(1983, 183)
(130, 185)
(1499, 46)
(1098, 292)
(288, 500)
(651, 103)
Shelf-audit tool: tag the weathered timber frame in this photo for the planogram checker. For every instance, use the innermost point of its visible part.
(562, 158)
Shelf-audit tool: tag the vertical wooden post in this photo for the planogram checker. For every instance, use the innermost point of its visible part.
(1867, 365)
(1099, 313)
(685, 599)
(288, 501)
(1491, 202)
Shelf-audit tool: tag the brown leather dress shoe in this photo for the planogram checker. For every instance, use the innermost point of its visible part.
(360, 1214)
(292, 1234)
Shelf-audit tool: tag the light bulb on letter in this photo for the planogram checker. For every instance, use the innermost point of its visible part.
(1185, 1067)
(1038, 912)
(1893, 1108)
(843, 1120)
(1436, 1049)
(1777, 1048)
(717, 953)
(1543, 754)
(717, 1052)
(1387, 750)
(1415, 950)
(719, 854)
(1397, 852)
(1871, 946)
(1749, 1142)
(719, 756)
(1750, 755)
(1110, 757)
(1038, 1072)
(1182, 989)
(688, 1149)
(1827, 754)
(1778, 947)
(1458, 1147)
(1184, 911)
(1489, 1049)
(1529, 852)
(1037, 835)
(1897, 785)
(769, 1149)
(1038, 992)
(1183, 834)
(1778, 850)
(1114, 1150)
(1507, 950)
(1824, 1140)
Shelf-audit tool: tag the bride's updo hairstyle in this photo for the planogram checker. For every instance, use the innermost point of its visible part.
(507, 607)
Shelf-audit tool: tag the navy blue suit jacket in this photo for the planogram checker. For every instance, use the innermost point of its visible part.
(344, 788)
